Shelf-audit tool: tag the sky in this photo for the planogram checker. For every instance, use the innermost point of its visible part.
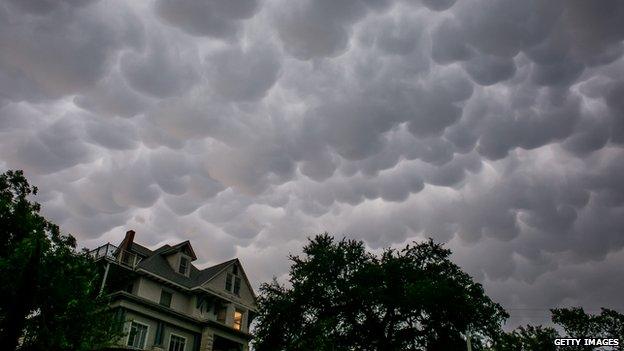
(246, 126)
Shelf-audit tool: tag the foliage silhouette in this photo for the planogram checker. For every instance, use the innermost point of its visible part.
(342, 297)
(48, 290)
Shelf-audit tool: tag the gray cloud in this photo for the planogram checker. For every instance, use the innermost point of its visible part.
(246, 126)
(62, 52)
(219, 19)
(241, 75)
(162, 70)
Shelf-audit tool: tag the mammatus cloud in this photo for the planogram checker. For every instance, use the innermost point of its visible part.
(213, 18)
(245, 126)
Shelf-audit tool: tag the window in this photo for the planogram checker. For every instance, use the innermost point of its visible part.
(228, 282)
(177, 343)
(232, 280)
(160, 331)
(183, 265)
(232, 284)
(221, 313)
(137, 335)
(238, 319)
(237, 283)
(165, 298)
(129, 288)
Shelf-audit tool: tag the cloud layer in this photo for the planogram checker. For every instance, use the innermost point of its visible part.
(245, 126)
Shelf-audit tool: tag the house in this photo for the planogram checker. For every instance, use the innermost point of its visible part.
(169, 304)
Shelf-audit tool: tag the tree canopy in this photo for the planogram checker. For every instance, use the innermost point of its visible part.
(48, 290)
(342, 297)
(573, 323)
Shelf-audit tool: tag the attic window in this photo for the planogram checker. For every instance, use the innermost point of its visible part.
(233, 284)
(183, 265)
(228, 282)
(237, 283)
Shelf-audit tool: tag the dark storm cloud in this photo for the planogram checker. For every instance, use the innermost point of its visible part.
(312, 29)
(61, 52)
(163, 69)
(215, 18)
(112, 96)
(493, 125)
(40, 7)
(242, 75)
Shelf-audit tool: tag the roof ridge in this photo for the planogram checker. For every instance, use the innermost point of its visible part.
(219, 264)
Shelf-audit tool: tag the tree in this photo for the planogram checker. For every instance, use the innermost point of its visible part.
(574, 322)
(48, 290)
(341, 297)
(529, 338)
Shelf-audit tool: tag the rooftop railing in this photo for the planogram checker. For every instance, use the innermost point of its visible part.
(112, 252)
(106, 250)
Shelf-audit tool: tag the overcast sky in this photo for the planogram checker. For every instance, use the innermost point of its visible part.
(495, 126)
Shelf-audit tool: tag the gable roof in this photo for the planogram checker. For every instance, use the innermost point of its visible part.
(155, 262)
(141, 250)
(222, 266)
(179, 247)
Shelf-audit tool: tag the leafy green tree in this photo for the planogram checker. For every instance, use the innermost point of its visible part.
(342, 297)
(48, 290)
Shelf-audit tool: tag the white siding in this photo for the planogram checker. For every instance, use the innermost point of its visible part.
(151, 290)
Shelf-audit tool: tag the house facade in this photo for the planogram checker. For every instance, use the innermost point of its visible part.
(168, 304)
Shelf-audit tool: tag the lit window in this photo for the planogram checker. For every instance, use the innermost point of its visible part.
(177, 343)
(183, 265)
(137, 335)
(165, 298)
(238, 319)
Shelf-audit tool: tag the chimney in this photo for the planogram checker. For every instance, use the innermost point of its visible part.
(127, 241)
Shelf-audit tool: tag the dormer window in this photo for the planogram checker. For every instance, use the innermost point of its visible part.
(184, 263)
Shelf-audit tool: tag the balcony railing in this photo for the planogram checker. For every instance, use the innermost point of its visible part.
(112, 252)
(106, 250)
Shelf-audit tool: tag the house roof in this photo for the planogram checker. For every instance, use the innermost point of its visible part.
(179, 247)
(155, 262)
(142, 250)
